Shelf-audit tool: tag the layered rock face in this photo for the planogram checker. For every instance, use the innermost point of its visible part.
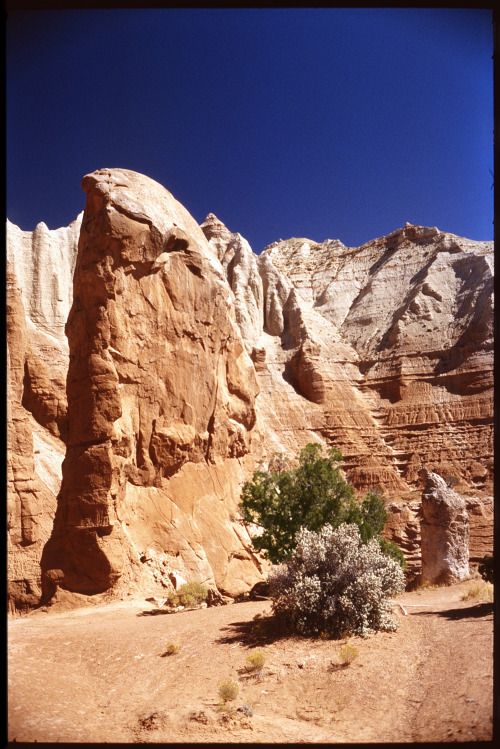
(161, 400)
(191, 360)
(32, 467)
(43, 262)
(444, 533)
(384, 351)
(416, 308)
(39, 294)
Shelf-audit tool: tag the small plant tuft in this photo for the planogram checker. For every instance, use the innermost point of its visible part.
(255, 661)
(246, 710)
(228, 690)
(348, 654)
(172, 648)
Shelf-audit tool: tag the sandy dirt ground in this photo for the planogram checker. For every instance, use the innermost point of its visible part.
(101, 675)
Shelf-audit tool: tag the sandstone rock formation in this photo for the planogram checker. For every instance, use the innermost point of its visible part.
(481, 523)
(193, 359)
(31, 499)
(43, 262)
(444, 532)
(161, 400)
(413, 311)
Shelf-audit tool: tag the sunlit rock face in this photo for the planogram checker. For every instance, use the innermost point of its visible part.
(161, 399)
(43, 262)
(445, 533)
(385, 351)
(191, 360)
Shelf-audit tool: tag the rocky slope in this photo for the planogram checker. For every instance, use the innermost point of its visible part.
(191, 359)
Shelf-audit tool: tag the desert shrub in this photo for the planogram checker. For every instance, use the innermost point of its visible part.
(486, 569)
(228, 690)
(335, 582)
(172, 648)
(189, 594)
(255, 661)
(313, 494)
(348, 654)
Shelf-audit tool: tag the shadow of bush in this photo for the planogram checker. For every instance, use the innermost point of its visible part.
(470, 612)
(262, 631)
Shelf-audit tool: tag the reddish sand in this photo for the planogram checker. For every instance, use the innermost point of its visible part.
(100, 674)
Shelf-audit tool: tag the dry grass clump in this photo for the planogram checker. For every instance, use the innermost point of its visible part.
(431, 586)
(348, 654)
(172, 648)
(479, 591)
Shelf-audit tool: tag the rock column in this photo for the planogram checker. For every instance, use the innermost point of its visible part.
(444, 532)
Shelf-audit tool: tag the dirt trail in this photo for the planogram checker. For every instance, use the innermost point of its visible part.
(100, 674)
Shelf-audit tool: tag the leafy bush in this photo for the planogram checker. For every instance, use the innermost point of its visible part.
(189, 594)
(486, 568)
(348, 654)
(228, 690)
(392, 550)
(255, 661)
(283, 501)
(372, 516)
(335, 582)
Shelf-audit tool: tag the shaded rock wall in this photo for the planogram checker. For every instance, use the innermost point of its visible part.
(31, 500)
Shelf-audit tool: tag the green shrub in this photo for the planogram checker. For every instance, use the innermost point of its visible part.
(392, 550)
(189, 594)
(486, 569)
(228, 690)
(255, 661)
(283, 501)
(335, 582)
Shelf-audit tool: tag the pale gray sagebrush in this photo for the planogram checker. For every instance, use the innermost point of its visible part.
(335, 582)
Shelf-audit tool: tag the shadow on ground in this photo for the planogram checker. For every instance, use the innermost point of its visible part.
(471, 612)
(261, 631)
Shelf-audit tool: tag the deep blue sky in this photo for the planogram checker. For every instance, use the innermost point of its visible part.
(323, 123)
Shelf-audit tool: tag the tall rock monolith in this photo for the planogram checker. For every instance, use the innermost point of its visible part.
(444, 532)
(161, 402)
